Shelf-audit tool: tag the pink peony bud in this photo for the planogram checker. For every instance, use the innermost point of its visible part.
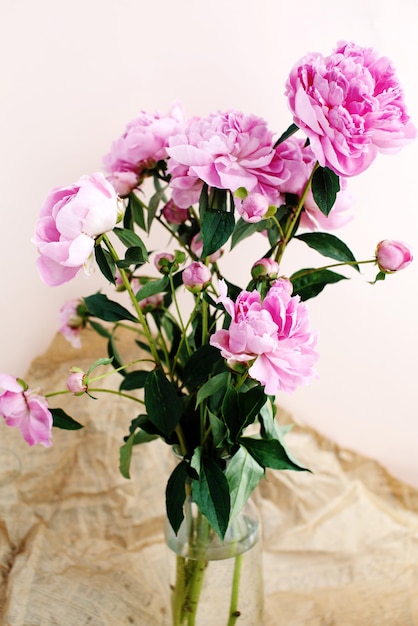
(173, 214)
(196, 246)
(76, 382)
(392, 256)
(265, 267)
(253, 207)
(196, 276)
(164, 261)
(151, 303)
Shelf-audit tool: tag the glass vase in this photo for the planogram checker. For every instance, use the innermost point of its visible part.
(216, 582)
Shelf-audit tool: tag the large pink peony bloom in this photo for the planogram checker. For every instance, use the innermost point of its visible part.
(25, 409)
(351, 107)
(140, 147)
(226, 150)
(272, 335)
(70, 220)
(299, 161)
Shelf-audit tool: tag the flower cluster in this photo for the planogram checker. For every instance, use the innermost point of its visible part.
(218, 180)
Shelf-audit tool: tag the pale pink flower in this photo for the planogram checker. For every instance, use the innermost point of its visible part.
(163, 261)
(226, 150)
(300, 161)
(253, 208)
(393, 256)
(76, 383)
(140, 147)
(350, 105)
(173, 214)
(196, 276)
(71, 322)
(70, 220)
(272, 336)
(25, 409)
(196, 246)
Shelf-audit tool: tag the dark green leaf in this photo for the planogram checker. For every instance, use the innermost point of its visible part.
(200, 365)
(287, 133)
(100, 306)
(242, 230)
(231, 413)
(211, 494)
(153, 206)
(163, 404)
(214, 384)
(137, 210)
(243, 474)
(105, 263)
(203, 201)
(325, 186)
(217, 227)
(270, 453)
(134, 380)
(60, 419)
(125, 455)
(100, 330)
(175, 496)
(133, 256)
(308, 283)
(330, 246)
(152, 288)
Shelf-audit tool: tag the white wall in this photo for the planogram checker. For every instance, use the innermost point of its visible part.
(73, 73)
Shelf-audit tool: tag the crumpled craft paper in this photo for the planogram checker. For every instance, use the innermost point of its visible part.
(82, 546)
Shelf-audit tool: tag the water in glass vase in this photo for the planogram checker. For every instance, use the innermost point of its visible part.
(214, 582)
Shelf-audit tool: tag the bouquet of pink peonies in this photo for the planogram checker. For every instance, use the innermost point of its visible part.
(217, 364)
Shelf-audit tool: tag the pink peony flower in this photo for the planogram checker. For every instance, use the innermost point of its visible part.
(196, 276)
(272, 336)
(253, 208)
(25, 409)
(140, 147)
(71, 322)
(70, 220)
(226, 150)
(163, 261)
(265, 267)
(300, 160)
(351, 107)
(173, 214)
(393, 256)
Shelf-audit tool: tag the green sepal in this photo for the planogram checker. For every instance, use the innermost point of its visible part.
(308, 283)
(325, 186)
(60, 419)
(175, 495)
(330, 246)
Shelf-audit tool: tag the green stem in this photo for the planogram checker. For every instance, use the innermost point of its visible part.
(233, 607)
(326, 267)
(138, 311)
(288, 232)
(96, 390)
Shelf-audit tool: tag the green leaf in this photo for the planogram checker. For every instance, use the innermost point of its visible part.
(134, 380)
(287, 133)
(100, 330)
(137, 209)
(100, 306)
(60, 419)
(163, 405)
(200, 365)
(243, 474)
(242, 230)
(105, 263)
(143, 437)
(213, 385)
(130, 239)
(270, 453)
(330, 246)
(175, 496)
(325, 186)
(231, 413)
(218, 430)
(125, 455)
(152, 288)
(211, 494)
(308, 283)
(153, 206)
(217, 227)
(133, 256)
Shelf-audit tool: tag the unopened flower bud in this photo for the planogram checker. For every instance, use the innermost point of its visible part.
(164, 262)
(254, 207)
(196, 246)
(265, 267)
(196, 276)
(77, 381)
(173, 214)
(392, 256)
